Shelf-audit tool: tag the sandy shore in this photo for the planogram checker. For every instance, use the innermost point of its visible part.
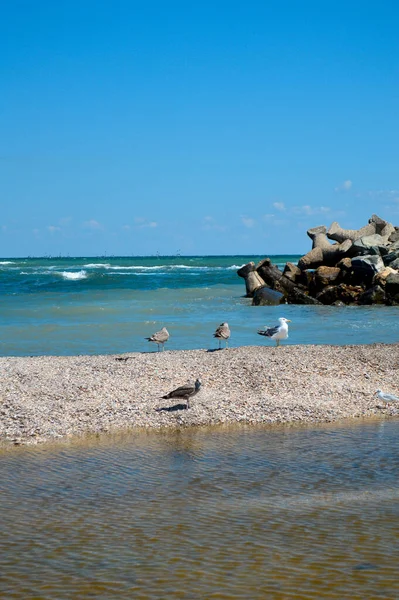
(44, 398)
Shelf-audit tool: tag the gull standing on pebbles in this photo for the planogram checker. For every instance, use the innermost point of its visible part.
(387, 398)
(222, 333)
(160, 337)
(279, 332)
(185, 392)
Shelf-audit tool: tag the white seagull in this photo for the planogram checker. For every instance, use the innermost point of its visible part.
(160, 337)
(387, 398)
(279, 332)
(222, 333)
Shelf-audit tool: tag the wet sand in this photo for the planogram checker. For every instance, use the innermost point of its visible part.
(49, 397)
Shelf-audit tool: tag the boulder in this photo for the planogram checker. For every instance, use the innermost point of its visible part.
(374, 295)
(292, 271)
(390, 257)
(324, 254)
(380, 278)
(375, 225)
(392, 286)
(394, 237)
(252, 278)
(274, 278)
(311, 260)
(394, 265)
(329, 295)
(349, 293)
(370, 244)
(384, 228)
(365, 267)
(326, 275)
(335, 232)
(265, 296)
(345, 266)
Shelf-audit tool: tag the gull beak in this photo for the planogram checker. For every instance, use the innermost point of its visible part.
(288, 320)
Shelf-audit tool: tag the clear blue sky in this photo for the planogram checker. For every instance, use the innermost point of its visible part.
(205, 127)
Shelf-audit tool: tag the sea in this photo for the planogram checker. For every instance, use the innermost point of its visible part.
(228, 512)
(107, 305)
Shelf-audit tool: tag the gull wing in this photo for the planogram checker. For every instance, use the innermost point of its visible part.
(269, 332)
(222, 332)
(390, 397)
(180, 392)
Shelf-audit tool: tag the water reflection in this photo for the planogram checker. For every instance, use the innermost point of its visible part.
(249, 512)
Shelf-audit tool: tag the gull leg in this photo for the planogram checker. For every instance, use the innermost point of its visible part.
(227, 343)
(220, 343)
(278, 342)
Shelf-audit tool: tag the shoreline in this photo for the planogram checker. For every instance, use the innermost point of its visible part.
(47, 398)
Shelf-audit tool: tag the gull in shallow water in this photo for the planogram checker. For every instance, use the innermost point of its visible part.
(222, 333)
(279, 332)
(387, 398)
(185, 392)
(160, 337)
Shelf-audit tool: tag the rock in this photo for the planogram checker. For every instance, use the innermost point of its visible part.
(292, 271)
(370, 244)
(338, 303)
(375, 225)
(391, 257)
(392, 286)
(253, 281)
(265, 296)
(329, 295)
(324, 254)
(394, 237)
(374, 295)
(274, 278)
(365, 267)
(349, 293)
(345, 266)
(335, 232)
(353, 270)
(311, 260)
(326, 275)
(384, 228)
(380, 278)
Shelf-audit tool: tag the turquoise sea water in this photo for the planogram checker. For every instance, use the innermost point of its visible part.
(110, 304)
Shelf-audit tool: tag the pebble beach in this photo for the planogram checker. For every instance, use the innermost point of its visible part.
(46, 398)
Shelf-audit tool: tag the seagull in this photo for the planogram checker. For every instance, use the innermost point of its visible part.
(279, 332)
(185, 391)
(387, 398)
(160, 337)
(222, 333)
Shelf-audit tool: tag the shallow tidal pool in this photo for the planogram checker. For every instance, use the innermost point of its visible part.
(234, 512)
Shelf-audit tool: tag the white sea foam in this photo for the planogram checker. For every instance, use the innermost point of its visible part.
(6, 262)
(136, 268)
(98, 266)
(234, 267)
(159, 267)
(74, 275)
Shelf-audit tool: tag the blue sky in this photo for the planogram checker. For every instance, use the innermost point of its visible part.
(133, 127)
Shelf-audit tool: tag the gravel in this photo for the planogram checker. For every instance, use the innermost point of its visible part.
(48, 397)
